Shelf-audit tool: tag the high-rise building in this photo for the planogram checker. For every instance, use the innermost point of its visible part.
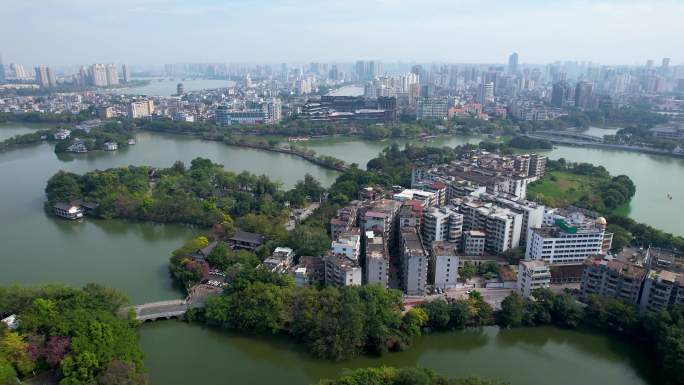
(414, 262)
(112, 75)
(45, 77)
(2, 71)
(559, 94)
(444, 264)
(485, 93)
(140, 109)
(98, 75)
(126, 72)
(180, 90)
(666, 63)
(441, 224)
(377, 260)
(432, 108)
(19, 71)
(513, 63)
(584, 95)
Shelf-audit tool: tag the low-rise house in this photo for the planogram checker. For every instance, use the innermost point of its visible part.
(280, 260)
(203, 253)
(68, 211)
(246, 240)
(78, 147)
(12, 322)
(62, 134)
(309, 271)
(110, 146)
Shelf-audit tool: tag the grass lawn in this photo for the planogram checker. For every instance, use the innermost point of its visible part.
(560, 188)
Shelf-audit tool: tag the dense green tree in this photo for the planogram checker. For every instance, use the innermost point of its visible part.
(309, 240)
(511, 313)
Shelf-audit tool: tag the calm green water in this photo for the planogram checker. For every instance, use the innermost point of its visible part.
(167, 87)
(9, 130)
(38, 248)
(534, 356)
(654, 175)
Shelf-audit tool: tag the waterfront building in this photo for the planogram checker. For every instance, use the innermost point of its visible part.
(662, 289)
(62, 134)
(444, 264)
(532, 275)
(344, 220)
(377, 261)
(19, 71)
(611, 277)
(68, 211)
(245, 240)
(441, 224)
(414, 262)
(110, 146)
(568, 237)
(502, 226)
(105, 112)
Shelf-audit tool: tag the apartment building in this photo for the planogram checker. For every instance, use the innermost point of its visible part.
(532, 275)
(347, 244)
(570, 239)
(441, 224)
(474, 242)
(377, 262)
(662, 288)
(341, 271)
(612, 278)
(414, 262)
(444, 264)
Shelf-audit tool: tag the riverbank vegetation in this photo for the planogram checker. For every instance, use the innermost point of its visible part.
(202, 194)
(75, 334)
(26, 139)
(334, 323)
(113, 132)
(582, 185)
(403, 376)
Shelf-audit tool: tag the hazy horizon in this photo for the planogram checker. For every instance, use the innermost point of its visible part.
(154, 32)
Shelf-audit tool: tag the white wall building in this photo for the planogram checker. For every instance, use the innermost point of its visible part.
(377, 260)
(569, 240)
(347, 244)
(532, 275)
(414, 262)
(441, 224)
(445, 264)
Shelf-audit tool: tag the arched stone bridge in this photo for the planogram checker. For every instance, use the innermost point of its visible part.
(174, 308)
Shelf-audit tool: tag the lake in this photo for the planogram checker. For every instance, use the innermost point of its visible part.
(525, 356)
(167, 86)
(132, 257)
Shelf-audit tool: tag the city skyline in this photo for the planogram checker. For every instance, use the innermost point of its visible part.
(154, 32)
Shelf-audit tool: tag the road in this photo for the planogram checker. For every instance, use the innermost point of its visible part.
(494, 297)
(299, 215)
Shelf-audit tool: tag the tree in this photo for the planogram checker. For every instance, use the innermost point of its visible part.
(308, 240)
(467, 271)
(14, 348)
(511, 314)
(8, 376)
(120, 372)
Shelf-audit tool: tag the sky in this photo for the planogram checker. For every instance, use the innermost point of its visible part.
(152, 32)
